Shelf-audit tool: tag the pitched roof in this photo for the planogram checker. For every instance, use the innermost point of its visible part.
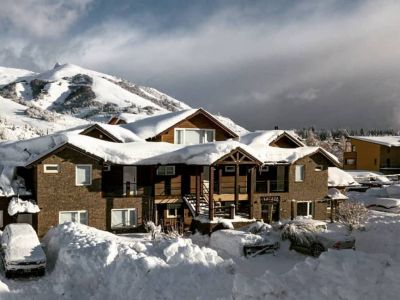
(266, 137)
(150, 127)
(390, 141)
(116, 133)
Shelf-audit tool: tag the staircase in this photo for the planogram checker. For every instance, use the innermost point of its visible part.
(190, 201)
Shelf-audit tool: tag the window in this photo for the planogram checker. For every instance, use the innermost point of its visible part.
(264, 169)
(172, 211)
(50, 168)
(350, 161)
(229, 169)
(123, 217)
(353, 148)
(319, 168)
(299, 174)
(83, 175)
(79, 216)
(305, 209)
(192, 136)
(106, 168)
(166, 170)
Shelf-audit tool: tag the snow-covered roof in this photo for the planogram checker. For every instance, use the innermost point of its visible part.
(201, 154)
(129, 118)
(122, 134)
(152, 126)
(262, 138)
(273, 155)
(340, 178)
(364, 175)
(335, 194)
(390, 141)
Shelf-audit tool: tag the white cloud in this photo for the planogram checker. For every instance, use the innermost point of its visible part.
(330, 59)
(41, 18)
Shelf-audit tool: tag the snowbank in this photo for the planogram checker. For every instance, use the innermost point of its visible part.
(86, 263)
(18, 205)
(344, 274)
(232, 241)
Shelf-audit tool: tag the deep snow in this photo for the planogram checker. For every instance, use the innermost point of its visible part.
(85, 263)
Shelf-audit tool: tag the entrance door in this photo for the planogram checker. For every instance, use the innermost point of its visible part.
(269, 211)
(130, 180)
(24, 218)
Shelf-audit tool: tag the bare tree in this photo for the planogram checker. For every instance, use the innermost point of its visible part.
(352, 214)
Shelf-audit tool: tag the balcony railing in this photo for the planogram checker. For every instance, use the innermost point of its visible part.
(272, 186)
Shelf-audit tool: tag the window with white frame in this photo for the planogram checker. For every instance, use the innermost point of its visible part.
(123, 217)
(166, 170)
(83, 175)
(192, 136)
(173, 211)
(78, 216)
(350, 161)
(50, 168)
(299, 173)
(305, 209)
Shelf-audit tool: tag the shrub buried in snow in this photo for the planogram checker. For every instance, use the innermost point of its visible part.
(352, 215)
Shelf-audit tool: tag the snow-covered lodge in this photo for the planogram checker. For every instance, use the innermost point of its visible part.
(186, 168)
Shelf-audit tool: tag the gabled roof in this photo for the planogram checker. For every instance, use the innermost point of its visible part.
(274, 155)
(151, 127)
(115, 133)
(389, 141)
(264, 138)
(104, 132)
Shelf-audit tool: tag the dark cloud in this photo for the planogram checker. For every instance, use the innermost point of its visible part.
(292, 64)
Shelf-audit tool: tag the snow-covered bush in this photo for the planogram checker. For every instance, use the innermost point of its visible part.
(38, 113)
(154, 230)
(352, 214)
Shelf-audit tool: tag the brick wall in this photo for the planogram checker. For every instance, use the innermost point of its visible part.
(58, 192)
(313, 188)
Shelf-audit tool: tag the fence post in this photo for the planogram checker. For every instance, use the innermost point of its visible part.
(232, 211)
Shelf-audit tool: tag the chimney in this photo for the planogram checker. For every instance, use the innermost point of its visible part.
(276, 127)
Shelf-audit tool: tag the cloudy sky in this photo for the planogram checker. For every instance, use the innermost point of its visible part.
(333, 63)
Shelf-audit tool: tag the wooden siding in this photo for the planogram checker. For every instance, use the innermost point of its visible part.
(198, 121)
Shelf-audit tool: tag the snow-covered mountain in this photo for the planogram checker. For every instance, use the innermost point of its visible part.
(85, 94)
(33, 104)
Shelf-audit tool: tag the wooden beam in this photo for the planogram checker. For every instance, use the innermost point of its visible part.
(251, 189)
(237, 186)
(211, 195)
(198, 189)
(219, 180)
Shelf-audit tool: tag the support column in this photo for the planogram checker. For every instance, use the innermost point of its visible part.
(198, 190)
(211, 195)
(250, 191)
(237, 186)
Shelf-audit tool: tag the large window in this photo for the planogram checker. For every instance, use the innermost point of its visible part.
(192, 136)
(83, 175)
(305, 209)
(299, 176)
(123, 217)
(79, 216)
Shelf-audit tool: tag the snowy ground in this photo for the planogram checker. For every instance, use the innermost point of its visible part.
(84, 263)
